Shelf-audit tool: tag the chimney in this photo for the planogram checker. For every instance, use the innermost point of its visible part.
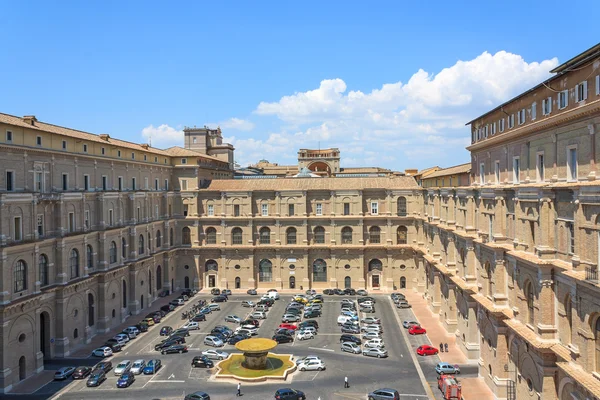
(30, 119)
(104, 136)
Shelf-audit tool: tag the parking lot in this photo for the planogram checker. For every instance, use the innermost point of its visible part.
(177, 378)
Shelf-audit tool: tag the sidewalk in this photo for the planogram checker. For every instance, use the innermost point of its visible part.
(472, 388)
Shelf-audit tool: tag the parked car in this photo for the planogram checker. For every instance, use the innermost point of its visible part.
(81, 372)
(250, 321)
(192, 326)
(188, 292)
(289, 394)
(258, 315)
(120, 339)
(403, 304)
(168, 308)
(175, 303)
(125, 380)
(350, 292)
(152, 366)
(197, 396)
(205, 310)
(307, 358)
(361, 292)
(351, 339)
(371, 335)
(447, 368)
(312, 323)
(215, 292)
(249, 329)
(282, 331)
(310, 329)
(375, 343)
(312, 314)
(164, 344)
(199, 318)
(138, 366)
(181, 332)
(176, 348)
(63, 373)
(103, 366)
(213, 341)
(283, 339)
(384, 394)
(350, 347)
(104, 351)
(349, 328)
(312, 365)
(289, 318)
(142, 326)
(237, 338)
(292, 327)
(148, 321)
(122, 367)
(131, 332)
(166, 331)
(215, 354)
(426, 350)
(214, 306)
(303, 335)
(251, 292)
(96, 378)
(202, 362)
(226, 292)
(408, 323)
(339, 292)
(219, 299)
(371, 320)
(375, 352)
(417, 330)
(328, 292)
(233, 318)
(247, 303)
(371, 327)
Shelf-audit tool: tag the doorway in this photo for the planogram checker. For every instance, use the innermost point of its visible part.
(186, 282)
(142, 302)
(375, 281)
(238, 282)
(22, 368)
(90, 309)
(45, 334)
(212, 281)
(402, 282)
(292, 282)
(347, 282)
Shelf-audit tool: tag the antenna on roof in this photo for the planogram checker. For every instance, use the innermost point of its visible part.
(150, 140)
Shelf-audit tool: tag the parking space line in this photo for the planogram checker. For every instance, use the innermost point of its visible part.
(320, 348)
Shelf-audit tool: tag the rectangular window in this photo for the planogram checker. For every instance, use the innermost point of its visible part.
(10, 181)
(571, 244)
(184, 160)
(120, 183)
(501, 124)
(497, 172)
(493, 129)
(146, 183)
(133, 186)
(155, 184)
(540, 167)
(139, 214)
(155, 159)
(119, 153)
(485, 131)
(8, 136)
(86, 182)
(581, 91)
(65, 182)
(40, 225)
(38, 140)
(111, 220)
(184, 184)
(547, 106)
(482, 174)
(156, 210)
(85, 148)
(86, 219)
(104, 182)
(516, 169)
(521, 116)
(145, 157)
(102, 151)
(597, 85)
(374, 208)
(563, 99)
(64, 144)
(166, 184)
(18, 228)
(572, 164)
(39, 181)
(186, 208)
(533, 110)
(264, 210)
(133, 156)
(71, 222)
(319, 209)
(211, 210)
(236, 210)
(291, 211)
(511, 121)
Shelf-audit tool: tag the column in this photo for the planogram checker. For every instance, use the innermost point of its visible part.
(333, 203)
(133, 301)
(546, 326)
(198, 280)
(61, 341)
(277, 204)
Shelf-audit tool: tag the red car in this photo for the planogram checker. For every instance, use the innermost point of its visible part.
(426, 350)
(292, 327)
(416, 330)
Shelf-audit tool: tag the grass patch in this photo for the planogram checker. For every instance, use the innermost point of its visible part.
(276, 365)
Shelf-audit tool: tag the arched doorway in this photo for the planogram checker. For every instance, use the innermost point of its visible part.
(45, 334)
(211, 270)
(347, 282)
(158, 277)
(150, 283)
(292, 282)
(22, 368)
(375, 268)
(186, 282)
(172, 285)
(90, 309)
(402, 282)
(238, 282)
(141, 302)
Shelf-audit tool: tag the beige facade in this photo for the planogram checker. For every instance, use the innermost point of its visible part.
(457, 176)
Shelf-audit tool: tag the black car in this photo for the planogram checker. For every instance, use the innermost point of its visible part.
(174, 303)
(202, 362)
(350, 292)
(188, 292)
(350, 338)
(224, 330)
(103, 366)
(199, 318)
(328, 291)
(96, 378)
(176, 338)
(312, 323)
(164, 344)
(283, 331)
(220, 335)
(236, 338)
(125, 380)
(167, 308)
(289, 394)
(268, 302)
(81, 372)
(219, 299)
(157, 317)
(283, 338)
(181, 332)
(339, 292)
(366, 298)
(166, 331)
(294, 311)
(215, 292)
(176, 348)
(114, 346)
(197, 396)
(251, 292)
(312, 314)
(142, 327)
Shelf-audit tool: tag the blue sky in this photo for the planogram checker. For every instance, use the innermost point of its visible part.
(277, 77)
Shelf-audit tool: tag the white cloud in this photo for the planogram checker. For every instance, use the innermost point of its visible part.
(163, 136)
(397, 120)
(237, 124)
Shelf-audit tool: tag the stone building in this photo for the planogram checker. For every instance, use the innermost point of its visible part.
(459, 175)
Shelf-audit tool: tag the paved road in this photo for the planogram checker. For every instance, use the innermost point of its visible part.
(177, 378)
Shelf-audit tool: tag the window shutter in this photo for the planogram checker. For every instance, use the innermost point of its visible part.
(597, 84)
(566, 97)
(549, 101)
(577, 92)
(584, 90)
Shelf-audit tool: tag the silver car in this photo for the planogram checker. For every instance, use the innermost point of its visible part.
(375, 352)
(215, 354)
(138, 366)
(233, 318)
(122, 367)
(64, 373)
(290, 318)
(350, 347)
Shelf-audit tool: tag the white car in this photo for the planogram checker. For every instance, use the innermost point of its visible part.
(215, 306)
(371, 335)
(213, 341)
(310, 329)
(251, 329)
(303, 335)
(375, 343)
(350, 347)
(367, 303)
(262, 307)
(191, 326)
(131, 332)
(233, 318)
(122, 367)
(290, 318)
(215, 354)
(347, 301)
(102, 352)
(121, 339)
(247, 303)
(138, 366)
(312, 365)
(307, 358)
(258, 315)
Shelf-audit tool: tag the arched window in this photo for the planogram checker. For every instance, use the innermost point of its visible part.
(124, 294)
(141, 247)
(347, 282)
(211, 235)
(90, 256)
(20, 276)
(74, 263)
(265, 271)
(238, 282)
(113, 252)
(319, 235)
(402, 206)
(264, 235)
(44, 273)
(375, 264)
(158, 239)
(529, 295)
(171, 237)
(319, 270)
(90, 309)
(211, 265)
(346, 235)
(402, 282)
(186, 236)
(290, 236)
(236, 236)
(597, 343)
(401, 235)
(123, 248)
(374, 235)
(149, 243)
(158, 277)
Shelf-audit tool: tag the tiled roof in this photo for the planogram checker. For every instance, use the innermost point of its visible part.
(59, 130)
(177, 151)
(457, 169)
(403, 182)
(529, 335)
(491, 307)
(427, 170)
(363, 170)
(581, 376)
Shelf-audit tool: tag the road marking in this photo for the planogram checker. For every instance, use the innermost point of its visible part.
(320, 348)
(171, 376)
(163, 381)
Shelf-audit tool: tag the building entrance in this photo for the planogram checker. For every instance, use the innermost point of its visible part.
(375, 281)
(212, 279)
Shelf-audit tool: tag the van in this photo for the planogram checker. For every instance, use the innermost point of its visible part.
(342, 319)
(273, 295)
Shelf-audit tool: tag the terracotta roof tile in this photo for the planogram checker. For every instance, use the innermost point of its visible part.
(177, 151)
(458, 169)
(581, 376)
(275, 184)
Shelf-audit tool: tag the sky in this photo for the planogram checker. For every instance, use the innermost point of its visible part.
(391, 84)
